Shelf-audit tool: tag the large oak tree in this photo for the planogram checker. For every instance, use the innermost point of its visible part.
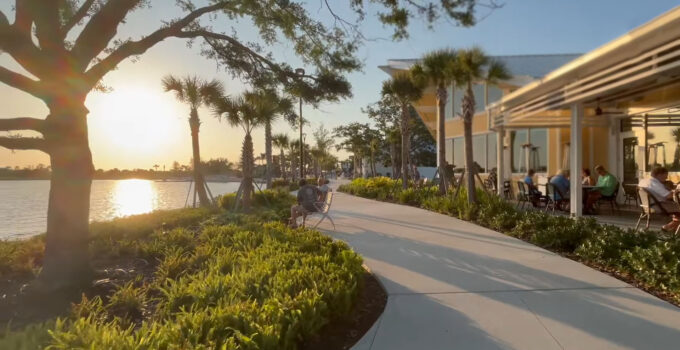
(66, 47)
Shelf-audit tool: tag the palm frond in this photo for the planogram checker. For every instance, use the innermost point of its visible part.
(173, 84)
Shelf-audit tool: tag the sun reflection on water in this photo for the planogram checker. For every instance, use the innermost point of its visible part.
(131, 197)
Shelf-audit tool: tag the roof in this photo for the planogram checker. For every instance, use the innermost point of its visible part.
(534, 66)
(645, 55)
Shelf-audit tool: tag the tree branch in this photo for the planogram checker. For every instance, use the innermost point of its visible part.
(46, 18)
(77, 17)
(133, 48)
(99, 31)
(14, 124)
(23, 19)
(23, 143)
(20, 82)
(262, 59)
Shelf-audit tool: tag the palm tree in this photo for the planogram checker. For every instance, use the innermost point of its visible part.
(438, 68)
(197, 93)
(473, 66)
(271, 107)
(281, 142)
(242, 111)
(406, 91)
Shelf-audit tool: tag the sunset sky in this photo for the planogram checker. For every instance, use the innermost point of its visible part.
(138, 125)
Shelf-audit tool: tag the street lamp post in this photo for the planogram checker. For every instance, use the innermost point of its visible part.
(301, 72)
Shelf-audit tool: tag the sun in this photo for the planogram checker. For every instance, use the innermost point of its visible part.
(136, 119)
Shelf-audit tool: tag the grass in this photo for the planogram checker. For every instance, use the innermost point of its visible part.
(220, 281)
(647, 259)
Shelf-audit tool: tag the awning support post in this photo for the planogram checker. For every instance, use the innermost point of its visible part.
(576, 160)
(500, 160)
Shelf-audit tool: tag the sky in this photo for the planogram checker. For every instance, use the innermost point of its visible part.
(137, 125)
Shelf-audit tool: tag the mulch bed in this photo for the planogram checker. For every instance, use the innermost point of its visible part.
(344, 333)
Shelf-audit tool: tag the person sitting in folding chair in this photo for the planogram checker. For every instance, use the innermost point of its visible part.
(323, 189)
(656, 187)
(307, 197)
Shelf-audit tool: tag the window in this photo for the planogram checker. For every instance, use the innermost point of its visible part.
(539, 150)
(518, 138)
(458, 153)
(449, 102)
(449, 151)
(479, 152)
(478, 90)
(458, 94)
(492, 159)
(495, 94)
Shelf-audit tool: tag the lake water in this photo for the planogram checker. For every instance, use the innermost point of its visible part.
(23, 204)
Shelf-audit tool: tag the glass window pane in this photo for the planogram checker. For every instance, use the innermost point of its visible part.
(479, 152)
(495, 94)
(449, 151)
(663, 147)
(539, 150)
(458, 153)
(518, 139)
(491, 150)
(478, 91)
(458, 101)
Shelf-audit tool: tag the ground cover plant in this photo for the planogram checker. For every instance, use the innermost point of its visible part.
(649, 260)
(203, 280)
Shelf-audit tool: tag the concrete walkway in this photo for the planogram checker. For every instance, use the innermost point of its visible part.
(455, 285)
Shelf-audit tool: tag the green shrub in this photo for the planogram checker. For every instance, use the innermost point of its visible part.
(251, 285)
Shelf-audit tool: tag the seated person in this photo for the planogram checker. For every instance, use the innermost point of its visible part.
(534, 193)
(605, 187)
(656, 187)
(307, 196)
(561, 181)
(586, 179)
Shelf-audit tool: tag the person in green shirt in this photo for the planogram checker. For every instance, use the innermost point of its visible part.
(605, 187)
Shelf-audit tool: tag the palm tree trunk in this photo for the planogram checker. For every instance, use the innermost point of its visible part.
(66, 260)
(441, 138)
(268, 152)
(247, 164)
(404, 145)
(199, 181)
(470, 170)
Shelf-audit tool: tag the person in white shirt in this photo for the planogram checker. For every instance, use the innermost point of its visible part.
(656, 187)
(323, 188)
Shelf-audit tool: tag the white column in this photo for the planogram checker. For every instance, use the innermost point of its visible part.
(500, 159)
(576, 160)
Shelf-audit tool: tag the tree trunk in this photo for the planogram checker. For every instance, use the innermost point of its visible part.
(441, 138)
(470, 169)
(268, 152)
(199, 181)
(66, 260)
(404, 145)
(248, 164)
(373, 172)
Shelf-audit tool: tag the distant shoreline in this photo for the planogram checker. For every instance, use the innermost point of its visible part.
(208, 179)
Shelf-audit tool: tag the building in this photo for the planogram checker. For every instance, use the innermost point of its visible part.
(618, 106)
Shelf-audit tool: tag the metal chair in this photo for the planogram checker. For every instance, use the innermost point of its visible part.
(649, 206)
(322, 209)
(522, 194)
(630, 194)
(554, 199)
(611, 199)
(507, 189)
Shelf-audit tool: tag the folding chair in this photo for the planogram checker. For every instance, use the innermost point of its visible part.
(522, 194)
(322, 209)
(650, 205)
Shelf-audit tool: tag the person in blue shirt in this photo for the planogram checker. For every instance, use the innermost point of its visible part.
(534, 193)
(561, 181)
